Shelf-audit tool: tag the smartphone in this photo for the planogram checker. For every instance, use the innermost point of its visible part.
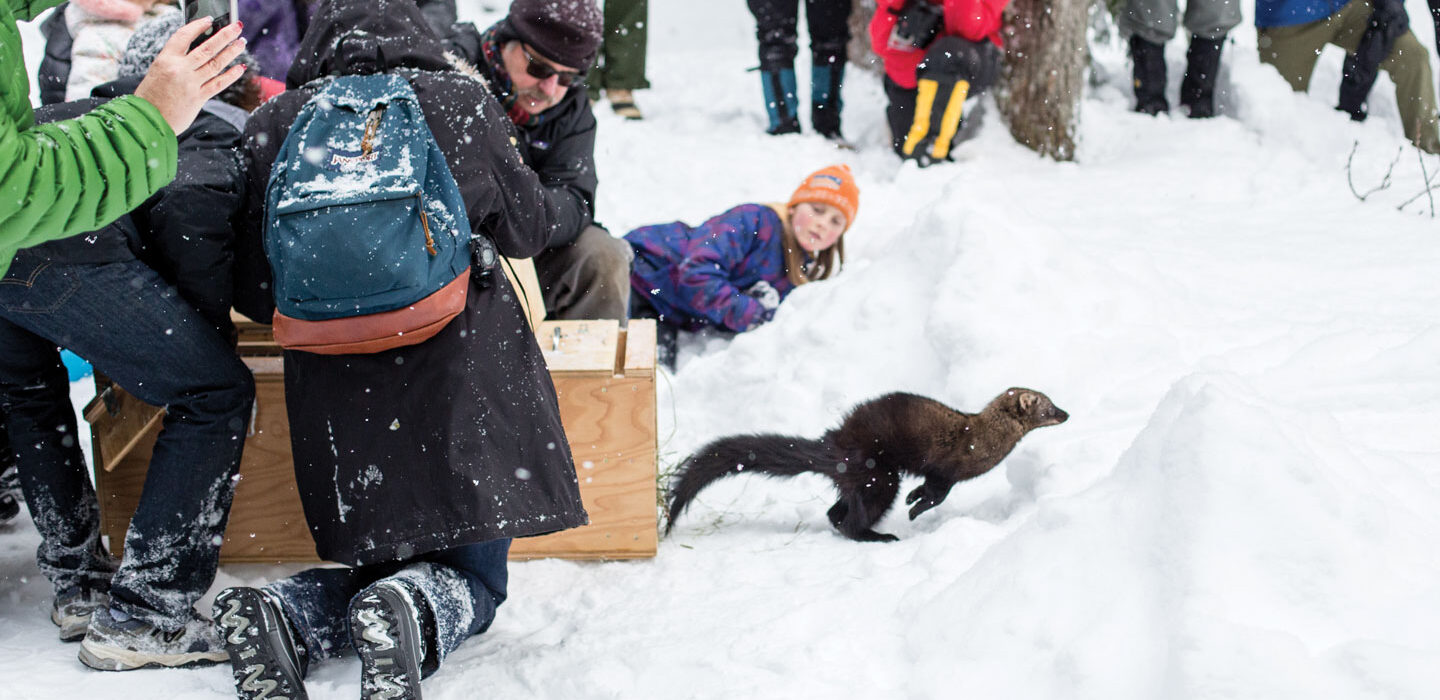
(223, 12)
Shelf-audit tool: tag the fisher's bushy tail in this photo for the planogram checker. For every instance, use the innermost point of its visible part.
(768, 455)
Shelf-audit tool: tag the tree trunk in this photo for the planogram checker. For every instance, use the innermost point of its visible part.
(859, 51)
(1045, 58)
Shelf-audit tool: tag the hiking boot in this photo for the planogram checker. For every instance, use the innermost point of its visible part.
(385, 628)
(72, 609)
(1202, 65)
(265, 657)
(1149, 60)
(623, 102)
(10, 494)
(119, 642)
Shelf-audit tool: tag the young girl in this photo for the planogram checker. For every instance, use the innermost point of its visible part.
(732, 271)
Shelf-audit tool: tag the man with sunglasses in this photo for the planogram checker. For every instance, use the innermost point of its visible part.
(535, 61)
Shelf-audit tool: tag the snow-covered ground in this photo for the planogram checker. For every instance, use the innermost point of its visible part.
(1244, 503)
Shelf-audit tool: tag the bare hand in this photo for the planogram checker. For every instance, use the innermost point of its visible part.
(178, 83)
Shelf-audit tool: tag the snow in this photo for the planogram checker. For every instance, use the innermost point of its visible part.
(1244, 503)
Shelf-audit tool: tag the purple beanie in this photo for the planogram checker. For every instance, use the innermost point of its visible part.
(567, 32)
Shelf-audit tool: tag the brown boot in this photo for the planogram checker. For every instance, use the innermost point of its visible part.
(623, 102)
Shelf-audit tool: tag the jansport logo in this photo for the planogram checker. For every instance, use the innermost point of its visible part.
(340, 160)
(829, 181)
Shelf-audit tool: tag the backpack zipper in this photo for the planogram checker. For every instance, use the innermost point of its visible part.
(425, 224)
(372, 123)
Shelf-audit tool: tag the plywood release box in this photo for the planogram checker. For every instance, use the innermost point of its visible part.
(605, 379)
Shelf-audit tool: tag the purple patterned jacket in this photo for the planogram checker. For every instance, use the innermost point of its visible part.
(696, 277)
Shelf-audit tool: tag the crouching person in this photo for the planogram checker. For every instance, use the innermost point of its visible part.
(732, 271)
(417, 462)
(936, 54)
(1293, 32)
(95, 295)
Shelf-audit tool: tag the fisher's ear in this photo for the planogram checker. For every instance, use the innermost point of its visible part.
(1027, 400)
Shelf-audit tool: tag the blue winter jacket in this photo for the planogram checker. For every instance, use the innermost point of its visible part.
(1287, 13)
(695, 277)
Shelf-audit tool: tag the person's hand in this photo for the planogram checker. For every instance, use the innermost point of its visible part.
(765, 294)
(179, 82)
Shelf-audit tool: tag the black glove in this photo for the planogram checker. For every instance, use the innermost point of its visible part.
(918, 24)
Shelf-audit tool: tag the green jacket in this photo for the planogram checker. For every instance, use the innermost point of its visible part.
(73, 176)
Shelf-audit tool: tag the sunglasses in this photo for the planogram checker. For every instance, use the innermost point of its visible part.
(540, 70)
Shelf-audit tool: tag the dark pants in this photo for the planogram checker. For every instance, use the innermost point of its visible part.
(134, 328)
(317, 601)
(586, 279)
(947, 60)
(775, 22)
(7, 456)
(622, 53)
(1435, 16)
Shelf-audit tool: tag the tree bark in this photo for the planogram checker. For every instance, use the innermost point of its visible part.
(859, 51)
(1041, 85)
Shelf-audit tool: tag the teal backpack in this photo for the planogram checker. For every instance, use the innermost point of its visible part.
(365, 228)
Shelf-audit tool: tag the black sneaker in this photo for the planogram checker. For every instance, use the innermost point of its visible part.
(385, 628)
(10, 495)
(117, 642)
(265, 658)
(72, 609)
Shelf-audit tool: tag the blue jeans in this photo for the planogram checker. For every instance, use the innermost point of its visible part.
(462, 587)
(136, 329)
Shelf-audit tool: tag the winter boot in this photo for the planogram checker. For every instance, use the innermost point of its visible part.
(825, 104)
(387, 628)
(1149, 60)
(119, 642)
(1202, 64)
(10, 494)
(781, 101)
(72, 609)
(266, 656)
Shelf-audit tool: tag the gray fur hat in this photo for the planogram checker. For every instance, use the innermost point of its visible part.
(146, 43)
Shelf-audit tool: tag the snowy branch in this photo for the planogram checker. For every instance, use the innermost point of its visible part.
(1350, 172)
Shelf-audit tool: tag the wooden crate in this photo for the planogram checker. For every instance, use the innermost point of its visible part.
(605, 378)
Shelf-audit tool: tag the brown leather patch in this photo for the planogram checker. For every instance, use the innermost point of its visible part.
(357, 335)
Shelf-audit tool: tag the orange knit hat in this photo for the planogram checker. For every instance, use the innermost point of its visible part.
(834, 186)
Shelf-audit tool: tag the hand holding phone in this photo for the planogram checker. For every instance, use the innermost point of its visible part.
(180, 79)
(221, 12)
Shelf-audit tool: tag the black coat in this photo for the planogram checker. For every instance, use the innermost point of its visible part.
(184, 231)
(54, 72)
(458, 439)
(560, 149)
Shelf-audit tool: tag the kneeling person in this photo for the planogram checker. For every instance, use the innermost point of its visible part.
(415, 464)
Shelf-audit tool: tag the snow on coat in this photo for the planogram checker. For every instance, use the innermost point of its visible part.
(455, 440)
(183, 231)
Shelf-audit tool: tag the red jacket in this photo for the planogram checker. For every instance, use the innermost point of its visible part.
(975, 20)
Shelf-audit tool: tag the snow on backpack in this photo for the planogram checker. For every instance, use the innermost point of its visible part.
(365, 228)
